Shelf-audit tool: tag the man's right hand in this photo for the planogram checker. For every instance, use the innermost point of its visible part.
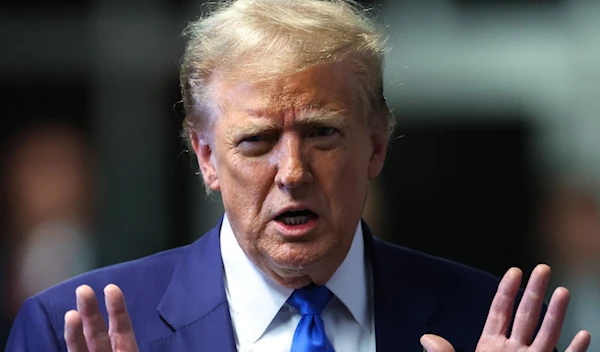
(85, 328)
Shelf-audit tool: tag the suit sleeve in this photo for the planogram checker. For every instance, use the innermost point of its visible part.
(32, 330)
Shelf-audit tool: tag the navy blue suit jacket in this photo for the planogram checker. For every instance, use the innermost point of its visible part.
(177, 301)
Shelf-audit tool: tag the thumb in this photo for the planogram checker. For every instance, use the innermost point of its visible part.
(434, 343)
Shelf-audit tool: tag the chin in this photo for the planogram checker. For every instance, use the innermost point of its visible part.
(297, 262)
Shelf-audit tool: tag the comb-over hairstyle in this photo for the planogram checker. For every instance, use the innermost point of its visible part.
(254, 40)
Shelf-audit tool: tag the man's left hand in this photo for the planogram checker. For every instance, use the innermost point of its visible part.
(494, 337)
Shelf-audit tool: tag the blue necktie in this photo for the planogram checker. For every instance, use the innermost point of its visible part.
(310, 332)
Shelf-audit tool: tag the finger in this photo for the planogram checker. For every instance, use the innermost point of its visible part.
(434, 343)
(528, 313)
(94, 327)
(120, 329)
(547, 337)
(74, 332)
(500, 313)
(580, 343)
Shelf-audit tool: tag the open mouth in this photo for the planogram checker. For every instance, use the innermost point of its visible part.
(295, 218)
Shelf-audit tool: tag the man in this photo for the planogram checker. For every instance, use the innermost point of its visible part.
(286, 115)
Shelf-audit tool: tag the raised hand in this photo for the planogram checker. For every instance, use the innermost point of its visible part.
(493, 338)
(85, 328)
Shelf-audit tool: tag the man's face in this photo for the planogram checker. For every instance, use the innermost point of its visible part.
(292, 159)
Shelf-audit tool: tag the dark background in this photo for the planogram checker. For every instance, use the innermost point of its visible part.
(494, 101)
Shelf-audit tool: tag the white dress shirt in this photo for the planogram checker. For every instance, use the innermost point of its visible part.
(263, 321)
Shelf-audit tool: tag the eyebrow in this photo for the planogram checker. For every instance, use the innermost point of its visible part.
(315, 116)
(254, 129)
(311, 116)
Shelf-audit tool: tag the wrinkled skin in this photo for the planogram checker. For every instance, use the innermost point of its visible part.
(297, 141)
(300, 142)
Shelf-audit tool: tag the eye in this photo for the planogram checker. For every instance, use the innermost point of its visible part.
(323, 132)
(252, 139)
(255, 145)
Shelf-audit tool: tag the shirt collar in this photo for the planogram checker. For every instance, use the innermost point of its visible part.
(351, 281)
(254, 299)
(246, 286)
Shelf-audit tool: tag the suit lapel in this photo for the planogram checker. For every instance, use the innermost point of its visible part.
(195, 303)
(403, 306)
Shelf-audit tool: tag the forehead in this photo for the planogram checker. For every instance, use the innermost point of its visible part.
(330, 86)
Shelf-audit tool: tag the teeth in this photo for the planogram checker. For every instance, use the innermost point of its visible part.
(295, 220)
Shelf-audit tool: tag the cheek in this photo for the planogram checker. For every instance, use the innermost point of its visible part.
(245, 183)
(343, 180)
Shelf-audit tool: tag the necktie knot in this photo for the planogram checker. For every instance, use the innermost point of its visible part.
(310, 300)
(310, 333)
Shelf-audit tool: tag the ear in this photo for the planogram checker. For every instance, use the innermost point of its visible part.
(204, 154)
(379, 143)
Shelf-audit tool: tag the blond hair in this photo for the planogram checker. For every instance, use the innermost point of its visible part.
(263, 39)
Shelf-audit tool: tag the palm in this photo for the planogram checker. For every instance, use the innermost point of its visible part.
(494, 336)
(499, 343)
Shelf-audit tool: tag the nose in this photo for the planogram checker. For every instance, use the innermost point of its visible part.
(293, 168)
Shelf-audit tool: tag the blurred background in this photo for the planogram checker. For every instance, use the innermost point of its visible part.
(495, 161)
